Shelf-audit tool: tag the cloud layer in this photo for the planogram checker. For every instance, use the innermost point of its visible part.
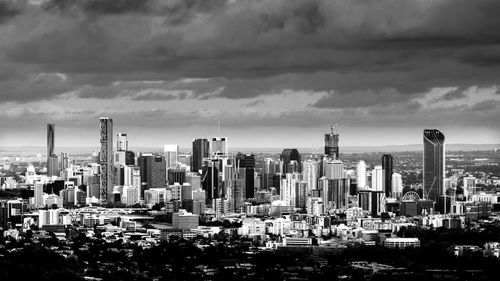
(362, 63)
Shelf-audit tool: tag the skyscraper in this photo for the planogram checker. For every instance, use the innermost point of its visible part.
(52, 161)
(171, 152)
(310, 174)
(121, 142)
(219, 147)
(200, 151)
(332, 145)
(64, 163)
(397, 185)
(50, 139)
(210, 182)
(378, 179)
(361, 174)
(387, 167)
(288, 188)
(106, 159)
(246, 164)
(288, 155)
(433, 160)
(270, 169)
(333, 169)
(153, 171)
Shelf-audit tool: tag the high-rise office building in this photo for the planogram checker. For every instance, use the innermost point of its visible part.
(137, 182)
(387, 167)
(332, 145)
(200, 152)
(153, 171)
(290, 154)
(106, 159)
(397, 184)
(469, 186)
(64, 163)
(219, 147)
(38, 194)
(210, 182)
(270, 169)
(288, 188)
(52, 160)
(171, 152)
(246, 164)
(361, 174)
(121, 142)
(176, 174)
(333, 169)
(378, 178)
(434, 164)
(310, 175)
(238, 191)
(50, 139)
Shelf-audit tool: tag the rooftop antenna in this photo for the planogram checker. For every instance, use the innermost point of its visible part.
(218, 128)
(334, 126)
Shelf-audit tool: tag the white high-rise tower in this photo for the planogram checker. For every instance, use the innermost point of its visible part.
(361, 174)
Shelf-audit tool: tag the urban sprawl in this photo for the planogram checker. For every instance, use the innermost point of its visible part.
(208, 214)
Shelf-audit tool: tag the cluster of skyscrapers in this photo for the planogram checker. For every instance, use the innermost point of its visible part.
(212, 177)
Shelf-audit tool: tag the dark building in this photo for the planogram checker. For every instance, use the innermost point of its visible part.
(54, 187)
(336, 191)
(176, 175)
(52, 161)
(433, 161)
(210, 183)
(153, 171)
(270, 168)
(4, 219)
(276, 181)
(247, 162)
(332, 145)
(288, 155)
(201, 150)
(106, 159)
(129, 158)
(50, 139)
(387, 167)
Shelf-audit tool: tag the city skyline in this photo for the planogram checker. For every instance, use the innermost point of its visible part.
(249, 140)
(285, 71)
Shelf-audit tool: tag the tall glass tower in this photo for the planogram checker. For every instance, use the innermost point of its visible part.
(433, 161)
(106, 159)
(388, 170)
(332, 145)
(52, 162)
(200, 151)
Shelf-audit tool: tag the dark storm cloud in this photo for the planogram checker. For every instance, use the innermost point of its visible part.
(362, 52)
(8, 9)
(98, 6)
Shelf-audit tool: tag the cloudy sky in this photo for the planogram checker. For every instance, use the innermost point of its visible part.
(276, 73)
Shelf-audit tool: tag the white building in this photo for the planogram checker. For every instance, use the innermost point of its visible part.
(361, 174)
(171, 152)
(397, 184)
(288, 188)
(310, 174)
(38, 194)
(252, 227)
(155, 196)
(129, 195)
(401, 242)
(469, 186)
(378, 178)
